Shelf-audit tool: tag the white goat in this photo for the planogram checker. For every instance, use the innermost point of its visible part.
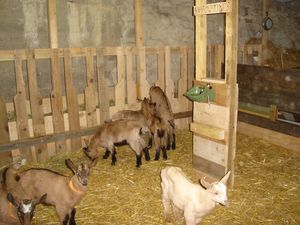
(194, 200)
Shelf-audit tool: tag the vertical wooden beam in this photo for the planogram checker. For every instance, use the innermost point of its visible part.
(56, 100)
(36, 105)
(52, 24)
(201, 43)
(89, 92)
(120, 86)
(102, 88)
(161, 68)
(191, 72)
(72, 100)
(168, 76)
(20, 106)
(131, 92)
(231, 33)
(264, 39)
(142, 81)
(5, 157)
(138, 8)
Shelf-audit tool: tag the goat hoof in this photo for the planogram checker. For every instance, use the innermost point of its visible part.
(173, 146)
(165, 158)
(148, 159)
(168, 147)
(156, 158)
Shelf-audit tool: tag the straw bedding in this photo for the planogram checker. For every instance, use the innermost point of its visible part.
(266, 191)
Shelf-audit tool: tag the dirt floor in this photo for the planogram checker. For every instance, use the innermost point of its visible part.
(266, 191)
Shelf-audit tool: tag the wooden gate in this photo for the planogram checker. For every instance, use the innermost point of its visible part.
(214, 123)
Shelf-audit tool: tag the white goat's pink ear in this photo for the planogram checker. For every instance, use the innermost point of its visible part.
(225, 178)
(204, 183)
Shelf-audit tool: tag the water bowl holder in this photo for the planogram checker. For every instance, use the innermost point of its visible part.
(201, 94)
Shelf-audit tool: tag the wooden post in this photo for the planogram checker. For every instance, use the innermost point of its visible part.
(72, 100)
(20, 106)
(138, 7)
(214, 123)
(36, 105)
(52, 24)
(264, 39)
(5, 157)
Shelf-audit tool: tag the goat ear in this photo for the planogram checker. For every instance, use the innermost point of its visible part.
(70, 165)
(12, 200)
(41, 199)
(225, 178)
(86, 142)
(204, 183)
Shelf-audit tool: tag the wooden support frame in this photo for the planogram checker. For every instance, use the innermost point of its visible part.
(214, 124)
(52, 24)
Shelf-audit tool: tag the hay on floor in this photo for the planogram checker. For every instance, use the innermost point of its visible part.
(266, 191)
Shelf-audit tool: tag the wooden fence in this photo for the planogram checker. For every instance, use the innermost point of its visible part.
(36, 126)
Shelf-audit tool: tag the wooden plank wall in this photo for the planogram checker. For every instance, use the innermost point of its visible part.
(74, 111)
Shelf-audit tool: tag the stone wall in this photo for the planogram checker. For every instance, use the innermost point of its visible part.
(83, 23)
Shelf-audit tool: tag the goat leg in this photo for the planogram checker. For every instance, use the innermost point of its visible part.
(174, 142)
(146, 152)
(106, 154)
(113, 158)
(138, 160)
(164, 150)
(157, 154)
(66, 219)
(72, 219)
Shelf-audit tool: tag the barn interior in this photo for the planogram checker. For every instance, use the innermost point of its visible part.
(69, 65)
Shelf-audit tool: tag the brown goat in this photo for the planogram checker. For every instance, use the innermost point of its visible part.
(119, 132)
(164, 111)
(12, 210)
(63, 192)
(147, 117)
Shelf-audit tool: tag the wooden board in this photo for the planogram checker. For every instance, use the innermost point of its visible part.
(120, 86)
(90, 103)
(274, 137)
(56, 100)
(143, 82)
(169, 83)
(5, 157)
(161, 68)
(102, 88)
(36, 106)
(131, 92)
(52, 24)
(138, 21)
(72, 100)
(20, 107)
(208, 131)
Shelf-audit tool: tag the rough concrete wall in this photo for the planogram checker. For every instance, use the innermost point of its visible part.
(83, 23)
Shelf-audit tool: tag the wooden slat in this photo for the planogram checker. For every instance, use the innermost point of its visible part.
(131, 91)
(208, 131)
(56, 100)
(90, 103)
(72, 100)
(211, 150)
(20, 107)
(120, 86)
(143, 83)
(161, 68)
(211, 169)
(213, 8)
(138, 19)
(191, 73)
(5, 157)
(201, 42)
(102, 88)
(169, 85)
(52, 24)
(221, 89)
(36, 106)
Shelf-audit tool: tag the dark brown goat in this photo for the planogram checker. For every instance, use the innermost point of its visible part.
(164, 111)
(118, 132)
(147, 117)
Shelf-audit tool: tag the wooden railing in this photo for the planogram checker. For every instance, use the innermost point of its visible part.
(36, 126)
